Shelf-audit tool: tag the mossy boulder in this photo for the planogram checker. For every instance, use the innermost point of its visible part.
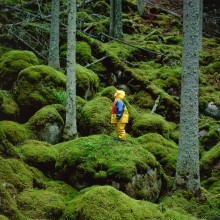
(40, 204)
(95, 117)
(12, 63)
(87, 82)
(151, 123)
(9, 109)
(46, 125)
(105, 202)
(209, 160)
(6, 148)
(40, 155)
(209, 134)
(15, 133)
(204, 207)
(8, 206)
(39, 86)
(100, 160)
(15, 174)
(165, 151)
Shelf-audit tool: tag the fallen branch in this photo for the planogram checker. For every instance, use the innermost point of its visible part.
(163, 9)
(88, 65)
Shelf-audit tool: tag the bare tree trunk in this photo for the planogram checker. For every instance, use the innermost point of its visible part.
(187, 170)
(201, 23)
(140, 6)
(54, 59)
(70, 131)
(116, 18)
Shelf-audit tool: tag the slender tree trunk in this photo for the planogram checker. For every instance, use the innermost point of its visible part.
(70, 126)
(116, 18)
(187, 170)
(54, 59)
(201, 23)
(140, 6)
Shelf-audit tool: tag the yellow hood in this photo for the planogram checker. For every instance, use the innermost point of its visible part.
(120, 94)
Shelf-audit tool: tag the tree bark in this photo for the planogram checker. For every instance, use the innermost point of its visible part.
(116, 18)
(70, 131)
(187, 170)
(201, 22)
(140, 6)
(54, 58)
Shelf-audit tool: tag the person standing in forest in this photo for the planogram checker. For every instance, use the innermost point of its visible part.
(119, 115)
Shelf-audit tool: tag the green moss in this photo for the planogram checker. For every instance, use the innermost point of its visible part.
(151, 123)
(95, 117)
(2, 217)
(42, 123)
(8, 206)
(101, 7)
(176, 40)
(15, 133)
(165, 151)
(9, 109)
(12, 63)
(105, 202)
(87, 82)
(16, 173)
(109, 92)
(100, 160)
(37, 87)
(39, 154)
(209, 159)
(211, 136)
(40, 204)
(144, 100)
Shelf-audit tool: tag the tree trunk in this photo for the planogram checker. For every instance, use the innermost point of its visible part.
(54, 59)
(116, 18)
(187, 170)
(140, 6)
(70, 126)
(201, 23)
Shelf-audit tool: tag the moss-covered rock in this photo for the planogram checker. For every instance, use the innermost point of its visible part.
(46, 125)
(209, 133)
(15, 174)
(151, 123)
(105, 202)
(87, 82)
(100, 160)
(37, 87)
(6, 148)
(15, 133)
(8, 206)
(9, 109)
(209, 160)
(95, 117)
(40, 155)
(40, 204)
(165, 151)
(204, 207)
(12, 63)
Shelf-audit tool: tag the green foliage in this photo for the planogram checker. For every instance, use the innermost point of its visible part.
(105, 202)
(12, 63)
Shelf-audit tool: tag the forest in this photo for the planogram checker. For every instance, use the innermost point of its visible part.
(61, 62)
